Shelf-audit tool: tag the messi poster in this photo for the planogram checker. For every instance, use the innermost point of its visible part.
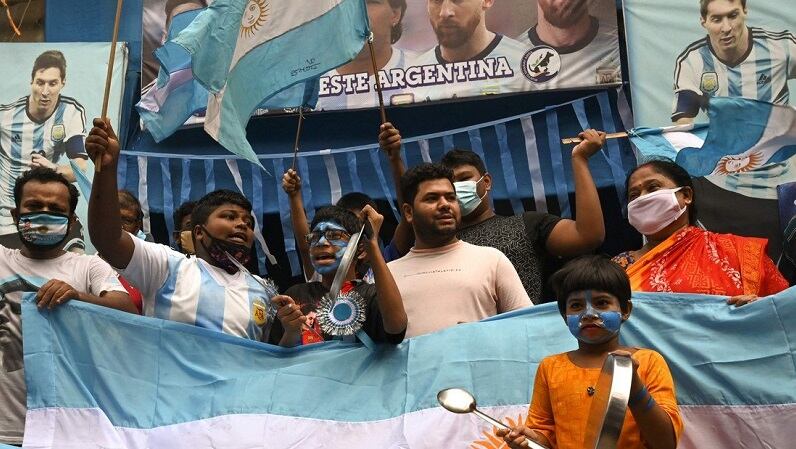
(430, 50)
(48, 99)
(682, 52)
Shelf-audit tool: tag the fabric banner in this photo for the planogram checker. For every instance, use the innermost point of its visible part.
(426, 51)
(675, 64)
(187, 387)
(47, 102)
(526, 147)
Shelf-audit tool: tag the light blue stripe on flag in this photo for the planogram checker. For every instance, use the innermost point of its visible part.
(559, 175)
(537, 182)
(508, 169)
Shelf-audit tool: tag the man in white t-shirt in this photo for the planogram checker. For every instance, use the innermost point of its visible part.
(470, 60)
(352, 86)
(44, 211)
(568, 47)
(443, 280)
(207, 290)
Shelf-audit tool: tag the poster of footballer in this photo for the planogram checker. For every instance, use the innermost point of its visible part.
(429, 50)
(704, 48)
(46, 112)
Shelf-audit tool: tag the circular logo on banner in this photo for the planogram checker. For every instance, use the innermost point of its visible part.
(541, 64)
(343, 315)
(259, 312)
(254, 15)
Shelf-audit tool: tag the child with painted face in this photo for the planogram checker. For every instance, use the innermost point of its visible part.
(332, 228)
(593, 296)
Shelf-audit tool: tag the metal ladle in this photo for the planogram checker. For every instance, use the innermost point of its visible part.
(458, 400)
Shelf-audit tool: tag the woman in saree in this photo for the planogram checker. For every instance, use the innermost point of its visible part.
(682, 258)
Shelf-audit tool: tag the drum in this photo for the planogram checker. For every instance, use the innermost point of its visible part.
(609, 403)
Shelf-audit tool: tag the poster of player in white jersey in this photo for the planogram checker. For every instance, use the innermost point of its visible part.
(428, 50)
(45, 114)
(735, 48)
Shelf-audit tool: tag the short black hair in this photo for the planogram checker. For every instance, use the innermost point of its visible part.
(184, 210)
(591, 273)
(397, 29)
(48, 59)
(356, 200)
(44, 175)
(340, 215)
(410, 181)
(128, 201)
(458, 157)
(213, 200)
(703, 7)
(677, 174)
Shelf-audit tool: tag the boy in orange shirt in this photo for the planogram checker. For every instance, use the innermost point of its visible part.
(594, 298)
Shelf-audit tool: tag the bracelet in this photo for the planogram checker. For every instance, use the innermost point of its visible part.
(638, 397)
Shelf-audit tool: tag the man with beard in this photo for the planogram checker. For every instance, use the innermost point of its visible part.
(44, 211)
(443, 280)
(353, 85)
(733, 60)
(208, 290)
(570, 47)
(463, 38)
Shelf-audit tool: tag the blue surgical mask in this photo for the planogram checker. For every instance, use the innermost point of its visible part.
(611, 321)
(341, 246)
(467, 194)
(43, 230)
(140, 234)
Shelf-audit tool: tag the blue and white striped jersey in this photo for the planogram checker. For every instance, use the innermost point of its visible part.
(21, 137)
(762, 74)
(189, 290)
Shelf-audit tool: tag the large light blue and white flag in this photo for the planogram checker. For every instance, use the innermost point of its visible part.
(247, 51)
(98, 378)
(747, 147)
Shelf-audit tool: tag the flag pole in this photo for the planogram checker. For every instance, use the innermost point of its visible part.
(376, 78)
(109, 73)
(298, 136)
(571, 140)
(666, 129)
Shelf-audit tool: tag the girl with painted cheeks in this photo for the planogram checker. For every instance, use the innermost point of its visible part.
(306, 316)
(593, 296)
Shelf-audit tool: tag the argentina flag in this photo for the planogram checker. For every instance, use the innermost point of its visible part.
(245, 52)
(184, 387)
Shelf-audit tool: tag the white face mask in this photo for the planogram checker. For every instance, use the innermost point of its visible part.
(654, 211)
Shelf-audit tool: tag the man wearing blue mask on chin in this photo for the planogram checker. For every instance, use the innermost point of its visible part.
(43, 214)
(384, 316)
(529, 240)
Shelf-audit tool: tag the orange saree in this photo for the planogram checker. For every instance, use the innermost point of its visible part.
(693, 260)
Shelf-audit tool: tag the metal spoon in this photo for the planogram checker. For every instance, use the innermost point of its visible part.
(458, 400)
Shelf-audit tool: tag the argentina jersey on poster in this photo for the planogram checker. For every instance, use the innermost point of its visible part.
(22, 137)
(761, 75)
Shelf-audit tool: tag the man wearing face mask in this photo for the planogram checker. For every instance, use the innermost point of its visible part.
(528, 240)
(444, 281)
(44, 211)
(207, 290)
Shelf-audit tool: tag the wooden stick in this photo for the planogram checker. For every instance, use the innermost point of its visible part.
(109, 73)
(572, 140)
(376, 78)
(298, 136)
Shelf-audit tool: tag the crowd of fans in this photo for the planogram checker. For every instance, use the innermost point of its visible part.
(451, 260)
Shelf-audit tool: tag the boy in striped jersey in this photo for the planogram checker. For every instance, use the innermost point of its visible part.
(207, 290)
(36, 130)
(732, 60)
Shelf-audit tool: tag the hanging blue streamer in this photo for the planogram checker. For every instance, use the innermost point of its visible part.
(508, 169)
(258, 206)
(356, 184)
(306, 188)
(560, 177)
(210, 177)
(447, 143)
(376, 160)
(285, 218)
(168, 198)
(121, 172)
(185, 182)
(580, 113)
(614, 156)
(477, 146)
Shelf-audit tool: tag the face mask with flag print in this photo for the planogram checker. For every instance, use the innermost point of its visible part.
(43, 229)
(467, 195)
